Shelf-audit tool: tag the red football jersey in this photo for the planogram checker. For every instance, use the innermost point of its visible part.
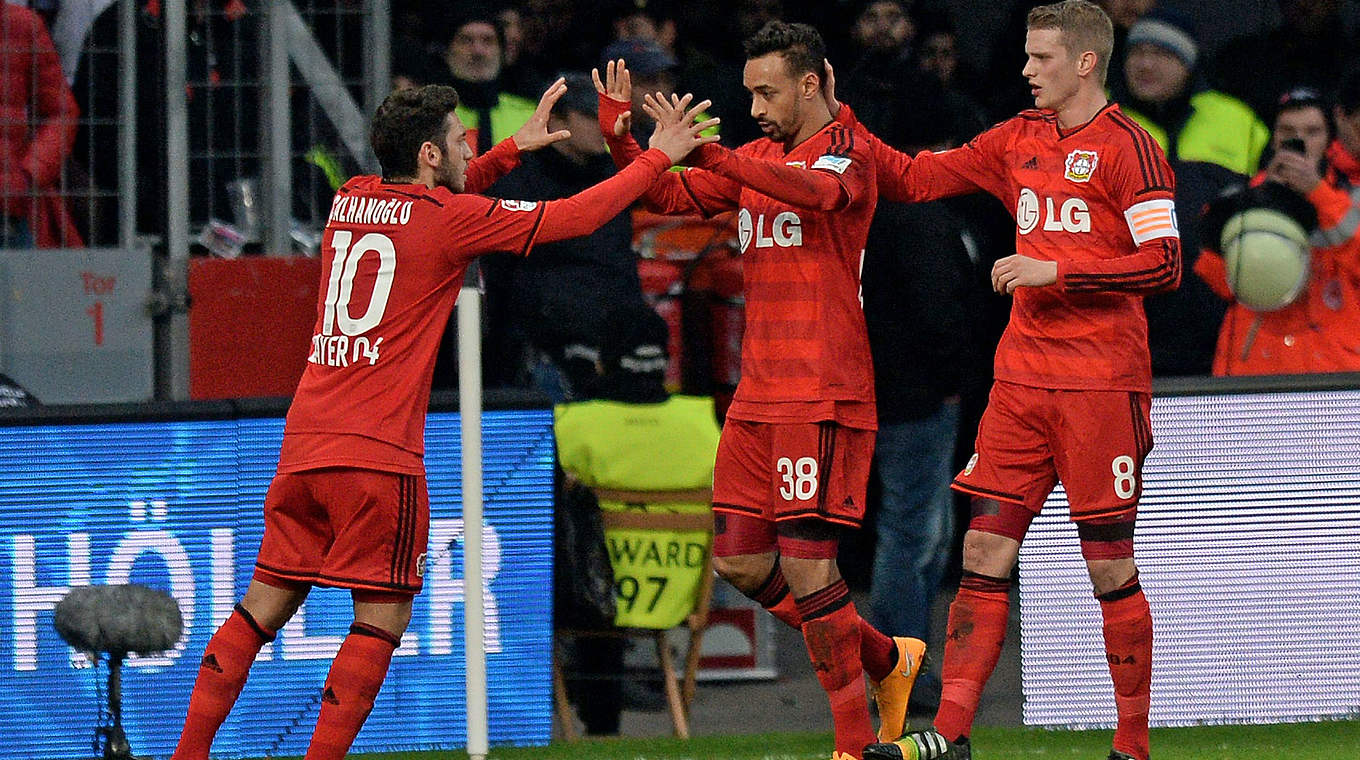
(1097, 199)
(392, 262)
(393, 258)
(805, 351)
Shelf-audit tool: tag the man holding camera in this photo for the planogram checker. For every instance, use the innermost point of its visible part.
(1316, 172)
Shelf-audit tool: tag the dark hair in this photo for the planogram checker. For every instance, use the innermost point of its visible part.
(1304, 97)
(408, 119)
(800, 44)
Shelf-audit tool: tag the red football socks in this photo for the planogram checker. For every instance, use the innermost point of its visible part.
(977, 629)
(831, 630)
(351, 687)
(221, 675)
(1128, 649)
(877, 650)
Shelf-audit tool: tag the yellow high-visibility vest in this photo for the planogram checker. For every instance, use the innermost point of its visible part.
(669, 446)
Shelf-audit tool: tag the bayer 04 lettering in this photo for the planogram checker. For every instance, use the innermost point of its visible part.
(353, 344)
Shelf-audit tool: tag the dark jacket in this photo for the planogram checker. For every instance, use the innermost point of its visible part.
(921, 308)
(560, 294)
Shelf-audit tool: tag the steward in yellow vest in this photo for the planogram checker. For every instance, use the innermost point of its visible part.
(634, 436)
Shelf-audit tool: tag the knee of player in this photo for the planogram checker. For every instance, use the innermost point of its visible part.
(989, 553)
(745, 571)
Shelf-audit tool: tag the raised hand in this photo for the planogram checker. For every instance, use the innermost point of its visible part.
(534, 134)
(829, 88)
(677, 136)
(617, 86)
(669, 111)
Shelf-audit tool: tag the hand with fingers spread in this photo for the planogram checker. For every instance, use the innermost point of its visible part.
(677, 133)
(616, 98)
(670, 110)
(534, 134)
(1018, 271)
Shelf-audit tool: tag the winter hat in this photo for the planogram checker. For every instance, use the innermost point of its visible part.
(1167, 30)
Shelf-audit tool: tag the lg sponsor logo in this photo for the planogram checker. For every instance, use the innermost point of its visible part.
(785, 230)
(1071, 216)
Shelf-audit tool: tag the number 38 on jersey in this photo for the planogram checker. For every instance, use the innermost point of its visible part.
(353, 344)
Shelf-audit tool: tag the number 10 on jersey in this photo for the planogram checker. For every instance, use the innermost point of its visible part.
(334, 350)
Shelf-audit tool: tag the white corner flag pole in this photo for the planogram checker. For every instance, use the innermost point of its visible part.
(470, 415)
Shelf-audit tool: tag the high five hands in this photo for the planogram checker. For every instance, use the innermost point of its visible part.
(676, 127)
(617, 86)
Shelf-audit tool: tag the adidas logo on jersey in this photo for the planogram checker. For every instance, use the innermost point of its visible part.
(1032, 163)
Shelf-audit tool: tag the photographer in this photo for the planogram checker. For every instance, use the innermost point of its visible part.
(1320, 330)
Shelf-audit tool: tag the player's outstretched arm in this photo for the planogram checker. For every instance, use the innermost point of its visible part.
(683, 193)
(794, 185)
(483, 171)
(584, 212)
(926, 176)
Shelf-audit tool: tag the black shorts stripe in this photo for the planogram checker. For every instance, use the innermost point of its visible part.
(804, 514)
(396, 534)
(407, 561)
(321, 579)
(826, 456)
(980, 491)
(719, 506)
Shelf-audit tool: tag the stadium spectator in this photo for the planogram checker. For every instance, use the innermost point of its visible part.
(1320, 330)
(1310, 47)
(474, 56)
(547, 313)
(1344, 152)
(936, 52)
(793, 461)
(37, 128)
(1212, 140)
(1095, 231)
(628, 434)
(518, 72)
(350, 479)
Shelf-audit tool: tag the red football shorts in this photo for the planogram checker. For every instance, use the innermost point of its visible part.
(785, 471)
(347, 527)
(1093, 441)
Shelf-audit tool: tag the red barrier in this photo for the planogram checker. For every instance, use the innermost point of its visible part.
(250, 324)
